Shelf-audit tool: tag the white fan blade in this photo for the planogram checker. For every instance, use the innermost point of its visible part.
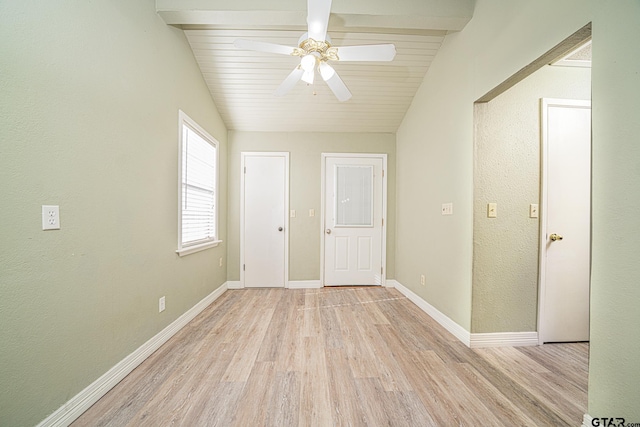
(374, 52)
(263, 47)
(289, 82)
(338, 88)
(318, 18)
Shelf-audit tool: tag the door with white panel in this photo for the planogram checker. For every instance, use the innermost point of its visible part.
(264, 226)
(353, 219)
(566, 221)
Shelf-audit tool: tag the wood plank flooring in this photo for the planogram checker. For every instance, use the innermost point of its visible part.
(340, 357)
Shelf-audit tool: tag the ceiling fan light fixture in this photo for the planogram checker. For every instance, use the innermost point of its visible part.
(308, 62)
(326, 71)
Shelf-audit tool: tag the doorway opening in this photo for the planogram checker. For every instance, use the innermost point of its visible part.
(508, 202)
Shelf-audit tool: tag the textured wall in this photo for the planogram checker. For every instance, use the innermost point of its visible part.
(614, 363)
(435, 141)
(305, 162)
(89, 121)
(507, 172)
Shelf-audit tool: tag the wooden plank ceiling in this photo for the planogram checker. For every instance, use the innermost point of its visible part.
(242, 82)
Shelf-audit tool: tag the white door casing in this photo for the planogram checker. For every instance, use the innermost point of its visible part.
(264, 227)
(354, 209)
(565, 252)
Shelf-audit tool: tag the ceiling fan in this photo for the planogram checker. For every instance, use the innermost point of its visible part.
(315, 51)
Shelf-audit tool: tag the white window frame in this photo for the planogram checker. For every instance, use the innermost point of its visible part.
(186, 249)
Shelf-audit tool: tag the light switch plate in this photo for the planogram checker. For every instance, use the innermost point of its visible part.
(533, 210)
(293, 213)
(492, 210)
(312, 212)
(50, 217)
(447, 209)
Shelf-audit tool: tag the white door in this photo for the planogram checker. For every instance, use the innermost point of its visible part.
(264, 224)
(353, 219)
(566, 221)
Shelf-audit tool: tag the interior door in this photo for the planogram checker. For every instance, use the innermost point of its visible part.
(566, 224)
(353, 220)
(264, 220)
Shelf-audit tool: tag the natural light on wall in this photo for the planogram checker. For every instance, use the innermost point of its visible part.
(198, 188)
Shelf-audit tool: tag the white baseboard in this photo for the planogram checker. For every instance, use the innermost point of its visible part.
(587, 420)
(304, 284)
(504, 339)
(458, 331)
(72, 409)
(234, 284)
(391, 283)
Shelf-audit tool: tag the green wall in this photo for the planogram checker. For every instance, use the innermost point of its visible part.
(435, 141)
(90, 93)
(614, 368)
(507, 172)
(434, 147)
(304, 187)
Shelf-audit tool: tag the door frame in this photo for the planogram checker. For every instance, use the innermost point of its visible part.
(243, 156)
(544, 184)
(323, 194)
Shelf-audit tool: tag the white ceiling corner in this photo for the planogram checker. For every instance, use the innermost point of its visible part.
(242, 82)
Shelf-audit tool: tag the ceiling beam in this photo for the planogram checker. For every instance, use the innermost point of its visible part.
(418, 15)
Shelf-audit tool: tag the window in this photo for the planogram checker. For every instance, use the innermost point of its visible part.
(198, 213)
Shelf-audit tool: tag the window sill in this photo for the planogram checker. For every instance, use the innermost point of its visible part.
(197, 248)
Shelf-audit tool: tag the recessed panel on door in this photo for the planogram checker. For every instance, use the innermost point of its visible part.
(365, 255)
(341, 253)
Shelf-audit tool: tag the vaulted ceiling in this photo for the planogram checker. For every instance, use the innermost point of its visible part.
(242, 82)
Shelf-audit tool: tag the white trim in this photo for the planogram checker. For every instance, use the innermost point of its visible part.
(458, 331)
(82, 401)
(504, 339)
(390, 283)
(542, 209)
(304, 284)
(383, 243)
(234, 284)
(192, 249)
(184, 119)
(243, 156)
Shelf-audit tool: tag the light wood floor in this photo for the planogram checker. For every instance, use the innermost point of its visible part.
(340, 356)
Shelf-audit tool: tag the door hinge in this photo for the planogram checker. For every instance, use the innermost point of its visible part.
(243, 269)
(381, 270)
(245, 169)
(383, 173)
(383, 222)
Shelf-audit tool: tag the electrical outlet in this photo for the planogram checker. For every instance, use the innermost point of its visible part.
(161, 305)
(220, 262)
(422, 279)
(50, 217)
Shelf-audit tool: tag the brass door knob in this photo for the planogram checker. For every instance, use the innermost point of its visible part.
(555, 237)
(328, 231)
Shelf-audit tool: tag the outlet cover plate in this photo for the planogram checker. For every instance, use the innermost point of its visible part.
(50, 217)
